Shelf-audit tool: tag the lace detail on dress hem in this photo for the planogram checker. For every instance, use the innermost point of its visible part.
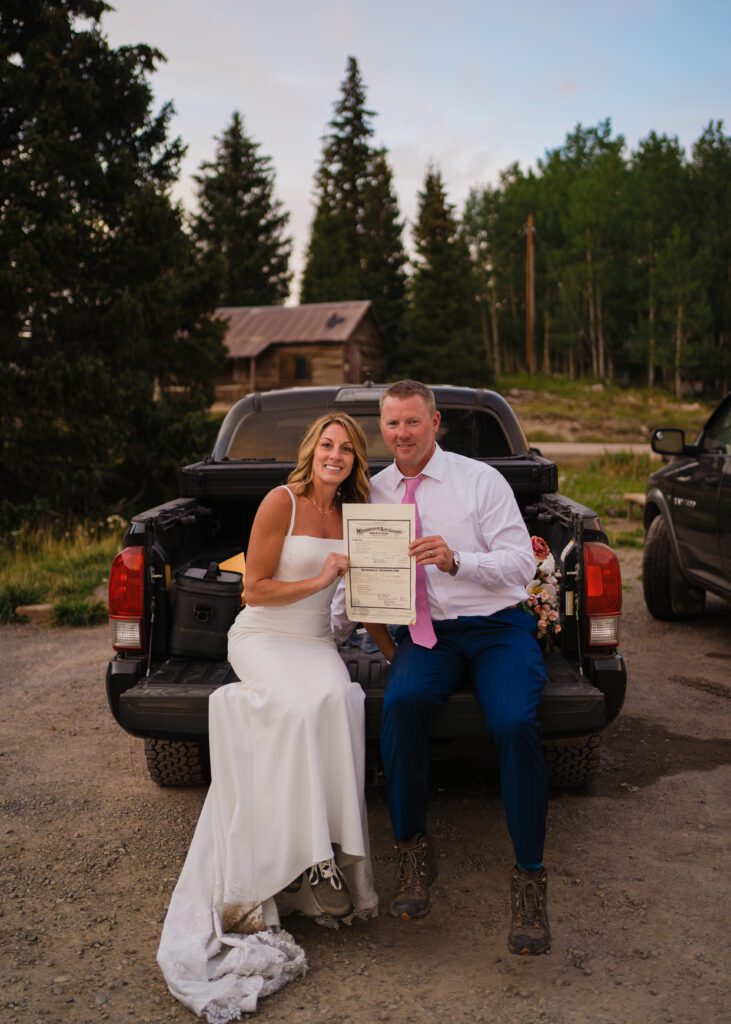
(258, 977)
(327, 921)
(222, 1011)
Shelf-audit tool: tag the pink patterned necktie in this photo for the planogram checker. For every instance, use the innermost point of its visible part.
(422, 631)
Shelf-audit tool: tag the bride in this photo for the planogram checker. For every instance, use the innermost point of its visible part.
(284, 824)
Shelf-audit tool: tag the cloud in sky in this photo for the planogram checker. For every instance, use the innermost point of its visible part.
(472, 85)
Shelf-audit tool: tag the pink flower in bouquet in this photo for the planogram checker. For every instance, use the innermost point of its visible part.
(541, 550)
(542, 594)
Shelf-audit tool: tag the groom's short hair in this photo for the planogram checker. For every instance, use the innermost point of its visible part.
(408, 389)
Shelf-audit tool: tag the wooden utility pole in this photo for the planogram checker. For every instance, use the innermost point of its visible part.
(530, 298)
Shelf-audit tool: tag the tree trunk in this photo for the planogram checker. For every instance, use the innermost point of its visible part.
(485, 332)
(530, 299)
(724, 338)
(601, 348)
(592, 314)
(547, 342)
(651, 339)
(512, 358)
(495, 334)
(678, 350)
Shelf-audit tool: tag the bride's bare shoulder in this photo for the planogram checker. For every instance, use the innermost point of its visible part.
(277, 504)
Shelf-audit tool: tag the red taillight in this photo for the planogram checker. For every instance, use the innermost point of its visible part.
(127, 599)
(603, 592)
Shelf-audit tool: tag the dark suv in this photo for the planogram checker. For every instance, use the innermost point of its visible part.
(688, 519)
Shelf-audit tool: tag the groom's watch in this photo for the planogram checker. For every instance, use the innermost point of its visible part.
(456, 562)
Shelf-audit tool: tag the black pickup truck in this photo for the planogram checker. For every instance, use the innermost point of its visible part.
(163, 697)
(688, 519)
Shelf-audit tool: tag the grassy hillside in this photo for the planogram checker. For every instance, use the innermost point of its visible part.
(559, 409)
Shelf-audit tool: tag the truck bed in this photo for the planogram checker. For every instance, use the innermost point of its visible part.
(172, 703)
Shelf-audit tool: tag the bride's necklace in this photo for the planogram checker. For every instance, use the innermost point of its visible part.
(324, 511)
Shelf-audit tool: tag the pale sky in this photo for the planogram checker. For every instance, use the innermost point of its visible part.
(470, 86)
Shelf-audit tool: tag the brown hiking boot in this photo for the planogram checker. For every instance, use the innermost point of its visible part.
(415, 872)
(529, 931)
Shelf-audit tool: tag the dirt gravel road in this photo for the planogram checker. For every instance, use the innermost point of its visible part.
(638, 867)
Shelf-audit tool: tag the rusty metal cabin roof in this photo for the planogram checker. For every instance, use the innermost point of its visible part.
(252, 329)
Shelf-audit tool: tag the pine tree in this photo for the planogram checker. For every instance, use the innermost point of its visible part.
(384, 272)
(333, 270)
(584, 186)
(682, 274)
(107, 342)
(494, 224)
(355, 249)
(443, 341)
(710, 172)
(658, 189)
(241, 222)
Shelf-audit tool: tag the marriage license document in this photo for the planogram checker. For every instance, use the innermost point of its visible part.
(380, 585)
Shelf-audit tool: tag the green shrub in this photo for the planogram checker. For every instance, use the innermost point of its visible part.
(70, 611)
(15, 593)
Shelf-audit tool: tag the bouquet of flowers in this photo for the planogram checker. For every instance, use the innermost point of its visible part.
(543, 594)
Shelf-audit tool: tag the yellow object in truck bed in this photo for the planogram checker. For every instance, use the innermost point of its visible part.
(237, 563)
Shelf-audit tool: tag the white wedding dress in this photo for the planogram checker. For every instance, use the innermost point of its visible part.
(287, 767)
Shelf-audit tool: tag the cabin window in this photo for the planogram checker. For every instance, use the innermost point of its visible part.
(294, 370)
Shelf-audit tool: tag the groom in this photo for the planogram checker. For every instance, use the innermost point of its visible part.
(474, 558)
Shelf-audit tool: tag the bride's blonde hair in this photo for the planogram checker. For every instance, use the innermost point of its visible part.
(356, 488)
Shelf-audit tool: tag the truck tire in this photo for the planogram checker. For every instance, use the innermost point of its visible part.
(177, 763)
(572, 763)
(668, 595)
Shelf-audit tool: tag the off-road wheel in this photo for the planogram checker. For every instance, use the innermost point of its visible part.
(572, 763)
(668, 595)
(178, 763)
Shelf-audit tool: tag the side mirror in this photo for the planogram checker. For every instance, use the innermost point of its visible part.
(668, 441)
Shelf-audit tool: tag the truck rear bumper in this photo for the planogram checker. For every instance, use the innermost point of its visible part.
(172, 703)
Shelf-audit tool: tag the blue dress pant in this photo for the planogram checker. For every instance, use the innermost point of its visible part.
(504, 660)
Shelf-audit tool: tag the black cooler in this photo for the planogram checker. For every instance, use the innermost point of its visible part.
(206, 603)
